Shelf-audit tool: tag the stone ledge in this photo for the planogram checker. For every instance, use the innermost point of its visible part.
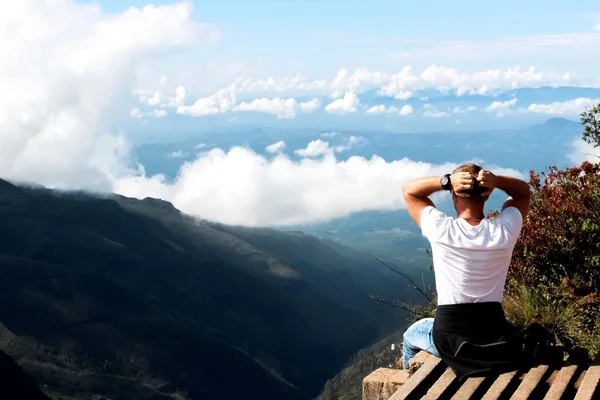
(417, 362)
(382, 383)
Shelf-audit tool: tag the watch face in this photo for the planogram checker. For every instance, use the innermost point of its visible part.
(444, 181)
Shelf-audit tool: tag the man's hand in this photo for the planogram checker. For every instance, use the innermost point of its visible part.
(488, 180)
(462, 181)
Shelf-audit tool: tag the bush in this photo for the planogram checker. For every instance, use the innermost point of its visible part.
(554, 276)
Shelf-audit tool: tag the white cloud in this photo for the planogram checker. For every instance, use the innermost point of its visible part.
(242, 187)
(501, 108)
(177, 154)
(315, 148)
(582, 151)
(298, 82)
(345, 105)
(178, 99)
(404, 83)
(200, 146)
(158, 113)
(63, 73)
(310, 106)
(157, 98)
(329, 134)
(597, 27)
(136, 113)
(319, 147)
(406, 110)
(570, 107)
(462, 110)
(154, 100)
(276, 147)
(283, 108)
(219, 103)
(352, 142)
(359, 80)
(381, 109)
(224, 101)
(430, 111)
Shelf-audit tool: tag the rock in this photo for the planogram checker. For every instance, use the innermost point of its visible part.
(398, 362)
(415, 363)
(382, 383)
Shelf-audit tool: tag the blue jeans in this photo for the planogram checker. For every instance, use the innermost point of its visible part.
(416, 338)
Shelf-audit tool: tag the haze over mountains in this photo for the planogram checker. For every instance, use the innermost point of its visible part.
(425, 110)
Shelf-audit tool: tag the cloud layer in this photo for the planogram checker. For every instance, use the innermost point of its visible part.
(242, 187)
(63, 75)
(571, 107)
(346, 86)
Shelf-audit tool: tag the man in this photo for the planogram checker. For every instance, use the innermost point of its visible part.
(471, 255)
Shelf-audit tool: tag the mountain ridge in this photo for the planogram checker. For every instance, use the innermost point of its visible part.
(142, 300)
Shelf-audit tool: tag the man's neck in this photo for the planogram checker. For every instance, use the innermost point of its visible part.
(473, 217)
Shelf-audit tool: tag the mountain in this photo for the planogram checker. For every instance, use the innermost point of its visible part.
(445, 101)
(347, 385)
(16, 383)
(111, 297)
(560, 123)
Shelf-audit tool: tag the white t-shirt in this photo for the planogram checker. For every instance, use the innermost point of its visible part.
(471, 262)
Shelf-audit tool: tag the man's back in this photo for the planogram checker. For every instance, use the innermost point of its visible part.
(471, 258)
(471, 262)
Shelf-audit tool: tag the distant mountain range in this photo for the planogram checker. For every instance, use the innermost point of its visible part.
(130, 299)
(176, 127)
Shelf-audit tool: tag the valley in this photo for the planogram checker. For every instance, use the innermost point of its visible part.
(127, 298)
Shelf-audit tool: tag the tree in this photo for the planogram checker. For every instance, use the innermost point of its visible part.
(591, 123)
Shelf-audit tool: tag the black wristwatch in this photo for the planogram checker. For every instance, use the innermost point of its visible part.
(445, 181)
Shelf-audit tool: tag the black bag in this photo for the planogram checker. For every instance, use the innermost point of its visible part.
(538, 346)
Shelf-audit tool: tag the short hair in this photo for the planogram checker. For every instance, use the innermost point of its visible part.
(470, 167)
(474, 170)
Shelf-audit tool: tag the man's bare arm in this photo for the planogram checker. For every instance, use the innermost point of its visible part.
(417, 191)
(416, 195)
(517, 190)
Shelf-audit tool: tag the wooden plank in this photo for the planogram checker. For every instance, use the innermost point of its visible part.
(417, 381)
(468, 388)
(561, 382)
(440, 386)
(531, 380)
(589, 385)
(500, 385)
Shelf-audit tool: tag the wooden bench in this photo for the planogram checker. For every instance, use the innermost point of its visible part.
(434, 380)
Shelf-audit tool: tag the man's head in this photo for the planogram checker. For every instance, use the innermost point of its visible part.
(475, 201)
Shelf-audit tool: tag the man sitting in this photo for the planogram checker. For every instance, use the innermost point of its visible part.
(471, 256)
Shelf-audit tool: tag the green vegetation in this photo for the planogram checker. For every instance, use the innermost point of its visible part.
(128, 299)
(554, 278)
(347, 384)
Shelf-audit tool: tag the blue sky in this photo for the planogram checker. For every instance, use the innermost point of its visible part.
(84, 85)
(306, 59)
(320, 37)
